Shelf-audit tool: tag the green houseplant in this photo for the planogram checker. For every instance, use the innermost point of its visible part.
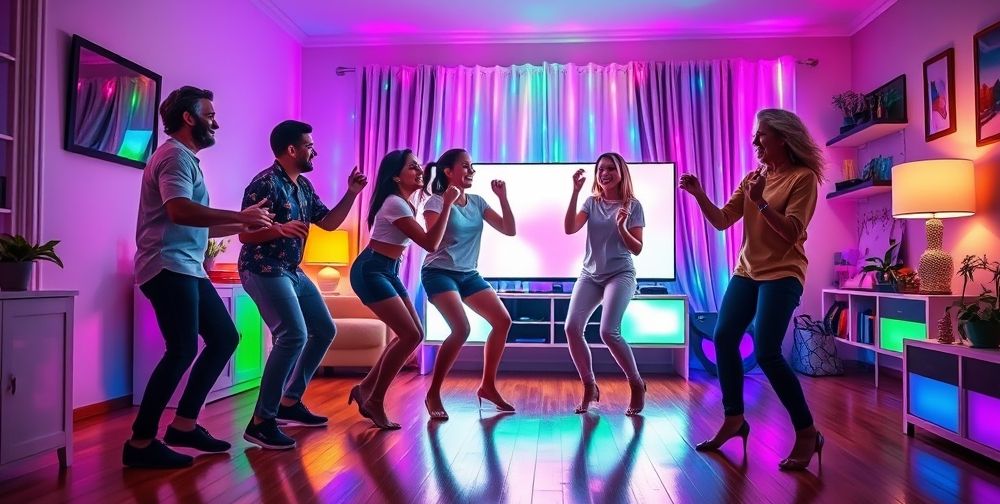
(979, 318)
(884, 269)
(851, 104)
(17, 255)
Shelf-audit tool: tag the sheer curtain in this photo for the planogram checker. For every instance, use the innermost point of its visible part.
(697, 114)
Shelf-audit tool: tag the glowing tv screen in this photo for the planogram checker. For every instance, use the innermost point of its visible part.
(539, 194)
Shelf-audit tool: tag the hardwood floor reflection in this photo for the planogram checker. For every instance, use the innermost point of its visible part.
(543, 453)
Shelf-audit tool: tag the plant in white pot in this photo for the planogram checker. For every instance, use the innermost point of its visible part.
(215, 247)
(17, 255)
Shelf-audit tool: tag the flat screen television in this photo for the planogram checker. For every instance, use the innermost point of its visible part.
(541, 250)
(111, 106)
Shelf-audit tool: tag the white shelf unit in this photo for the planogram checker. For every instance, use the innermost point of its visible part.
(896, 317)
(650, 322)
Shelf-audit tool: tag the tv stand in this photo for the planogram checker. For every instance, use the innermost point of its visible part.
(651, 322)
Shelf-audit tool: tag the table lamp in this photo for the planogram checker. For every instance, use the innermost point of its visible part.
(330, 249)
(934, 189)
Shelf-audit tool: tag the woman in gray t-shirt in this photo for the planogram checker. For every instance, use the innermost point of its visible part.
(450, 278)
(614, 222)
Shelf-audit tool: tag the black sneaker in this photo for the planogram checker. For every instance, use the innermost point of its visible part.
(267, 435)
(154, 456)
(199, 439)
(298, 414)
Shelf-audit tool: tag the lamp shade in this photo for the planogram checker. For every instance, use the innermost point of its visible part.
(326, 247)
(935, 188)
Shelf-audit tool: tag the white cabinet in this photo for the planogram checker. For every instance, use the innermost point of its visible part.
(244, 369)
(36, 366)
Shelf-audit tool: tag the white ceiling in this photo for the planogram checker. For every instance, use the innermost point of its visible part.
(391, 22)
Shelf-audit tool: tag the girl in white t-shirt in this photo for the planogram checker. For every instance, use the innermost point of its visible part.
(450, 278)
(614, 221)
(375, 273)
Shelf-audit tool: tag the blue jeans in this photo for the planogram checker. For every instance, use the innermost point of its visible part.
(770, 303)
(301, 331)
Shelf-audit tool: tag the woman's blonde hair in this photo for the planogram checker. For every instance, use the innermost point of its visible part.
(801, 148)
(624, 187)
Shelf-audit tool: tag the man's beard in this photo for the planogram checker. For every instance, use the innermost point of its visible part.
(202, 135)
(306, 166)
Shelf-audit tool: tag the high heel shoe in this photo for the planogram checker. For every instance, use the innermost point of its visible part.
(790, 464)
(382, 423)
(440, 414)
(589, 397)
(497, 401)
(630, 411)
(713, 445)
(355, 396)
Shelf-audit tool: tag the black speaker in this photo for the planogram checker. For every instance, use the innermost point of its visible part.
(702, 343)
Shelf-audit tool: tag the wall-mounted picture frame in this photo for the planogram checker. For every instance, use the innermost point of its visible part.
(111, 108)
(986, 47)
(939, 95)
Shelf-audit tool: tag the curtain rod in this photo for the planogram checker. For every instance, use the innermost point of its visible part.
(810, 62)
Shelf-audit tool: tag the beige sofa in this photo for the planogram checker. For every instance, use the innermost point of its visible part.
(361, 336)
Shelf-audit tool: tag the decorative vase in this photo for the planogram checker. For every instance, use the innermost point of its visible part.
(15, 276)
(936, 266)
(982, 333)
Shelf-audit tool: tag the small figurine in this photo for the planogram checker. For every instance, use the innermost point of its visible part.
(946, 333)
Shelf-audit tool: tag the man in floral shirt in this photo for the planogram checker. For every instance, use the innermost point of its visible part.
(289, 303)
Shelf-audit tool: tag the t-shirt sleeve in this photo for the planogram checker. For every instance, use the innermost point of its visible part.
(802, 202)
(588, 205)
(176, 179)
(733, 209)
(395, 208)
(317, 209)
(636, 217)
(482, 204)
(434, 204)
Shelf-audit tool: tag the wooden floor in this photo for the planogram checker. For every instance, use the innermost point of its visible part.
(544, 453)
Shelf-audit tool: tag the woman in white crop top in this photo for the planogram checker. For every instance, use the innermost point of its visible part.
(375, 273)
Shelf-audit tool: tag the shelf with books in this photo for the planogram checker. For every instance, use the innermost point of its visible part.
(880, 321)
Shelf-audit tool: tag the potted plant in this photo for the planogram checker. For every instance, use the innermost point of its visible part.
(17, 255)
(215, 247)
(884, 269)
(979, 318)
(850, 103)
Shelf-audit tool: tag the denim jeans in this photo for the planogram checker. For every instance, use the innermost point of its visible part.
(185, 307)
(769, 304)
(301, 331)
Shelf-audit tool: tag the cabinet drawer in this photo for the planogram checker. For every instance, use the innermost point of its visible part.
(909, 310)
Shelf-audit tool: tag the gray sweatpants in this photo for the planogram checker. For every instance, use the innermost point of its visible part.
(614, 295)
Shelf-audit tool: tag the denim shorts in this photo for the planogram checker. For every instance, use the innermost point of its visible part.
(466, 283)
(375, 277)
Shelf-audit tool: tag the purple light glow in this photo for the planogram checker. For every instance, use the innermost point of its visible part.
(746, 347)
(983, 414)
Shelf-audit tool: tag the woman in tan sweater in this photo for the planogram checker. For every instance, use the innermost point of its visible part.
(776, 202)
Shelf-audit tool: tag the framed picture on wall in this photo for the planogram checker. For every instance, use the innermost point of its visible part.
(939, 95)
(986, 47)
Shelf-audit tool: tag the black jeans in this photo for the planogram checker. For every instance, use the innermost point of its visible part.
(185, 306)
(771, 304)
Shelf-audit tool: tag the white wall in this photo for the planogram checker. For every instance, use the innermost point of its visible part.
(227, 46)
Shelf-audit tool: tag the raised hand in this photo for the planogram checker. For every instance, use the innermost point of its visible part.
(690, 183)
(257, 216)
(755, 186)
(499, 188)
(356, 181)
(578, 179)
(622, 216)
(451, 194)
(293, 229)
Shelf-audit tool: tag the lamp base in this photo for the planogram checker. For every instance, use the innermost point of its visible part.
(936, 266)
(327, 281)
